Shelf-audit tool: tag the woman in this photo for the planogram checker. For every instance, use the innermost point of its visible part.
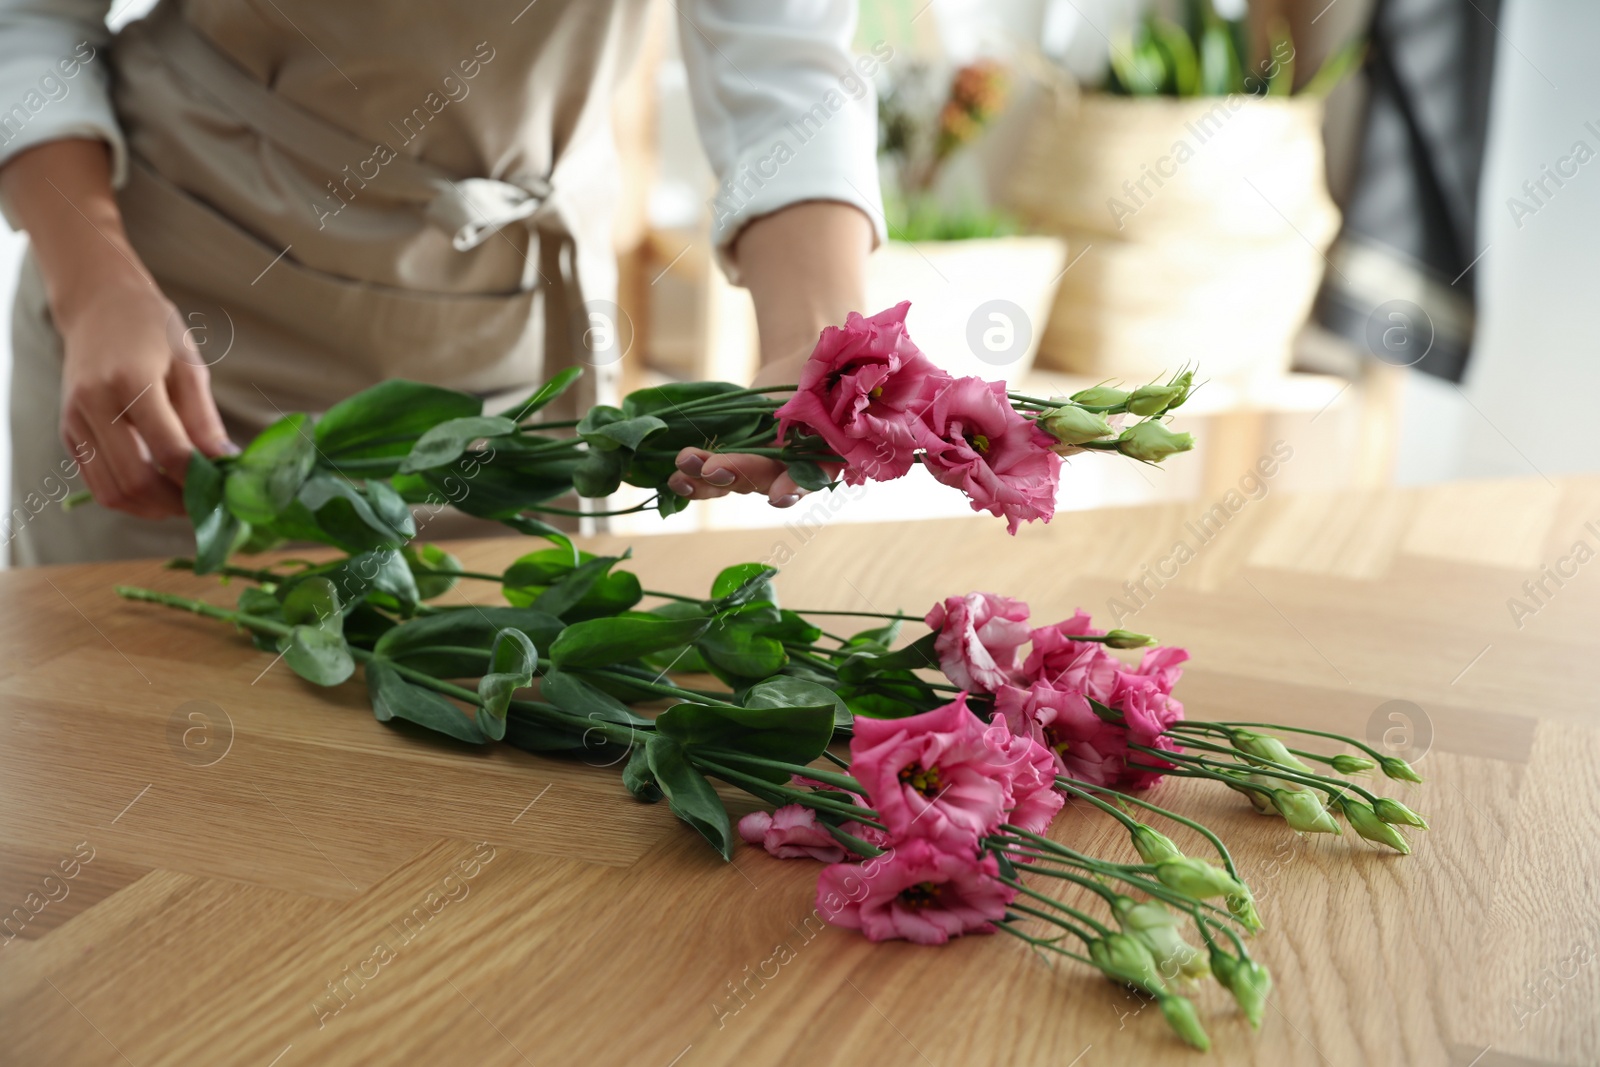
(237, 210)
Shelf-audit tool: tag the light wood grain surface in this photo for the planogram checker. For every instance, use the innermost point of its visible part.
(240, 842)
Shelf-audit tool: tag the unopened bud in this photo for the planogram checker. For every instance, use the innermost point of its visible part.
(1180, 1015)
(1368, 825)
(1183, 382)
(1127, 639)
(1072, 425)
(1393, 811)
(1266, 747)
(1153, 845)
(1152, 442)
(1101, 396)
(1197, 879)
(1248, 981)
(1345, 763)
(1304, 812)
(1158, 929)
(1153, 399)
(1398, 769)
(1125, 959)
(1242, 906)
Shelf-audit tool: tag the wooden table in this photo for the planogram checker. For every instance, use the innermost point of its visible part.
(241, 843)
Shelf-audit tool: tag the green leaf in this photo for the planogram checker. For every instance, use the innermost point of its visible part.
(381, 574)
(455, 643)
(752, 579)
(796, 693)
(531, 735)
(268, 473)
(322, 490)
(685, 658)
(532, 527)
(776, 732)
(621, 433)
(742, 652)
(217, 531)
(512, 661)
(1178, 51)
(313, 602)
(689, 794)
(882, 636)
(432, 568)
(1220, 69)
(574, 694)
(1281, 83)
(636, 776)
(384, 421)
(446, 442)
(547, 580)
(547, 392)
(393, 697)
(390, 507)
(318, 655)
(808, 475)
(599, 473)
(600, 642)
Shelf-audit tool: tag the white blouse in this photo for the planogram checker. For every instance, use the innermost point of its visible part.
(785, 112)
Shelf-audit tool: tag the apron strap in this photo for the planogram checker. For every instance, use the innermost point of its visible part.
(470, 210)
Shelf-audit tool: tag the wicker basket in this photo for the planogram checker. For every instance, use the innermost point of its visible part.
(1195, 228)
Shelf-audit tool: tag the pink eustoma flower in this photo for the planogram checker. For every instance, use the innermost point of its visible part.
(934, 775)
(1061, 662)
(979, 635)
(858, 391)
(1085, 746)
(1031, 778)
(791, 832)
(918, 891)
(975, 441)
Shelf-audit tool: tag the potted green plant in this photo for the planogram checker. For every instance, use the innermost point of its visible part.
(974, 280)
(1193, 183)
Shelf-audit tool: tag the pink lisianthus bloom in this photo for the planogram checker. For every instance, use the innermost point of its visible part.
(791, 832)
(1031, 774)
(975, 441)
(917, 891)
(1061, 662)
(935, 775)
(1085, 746)
(979, 635)
(858, 391)
(1163, 666)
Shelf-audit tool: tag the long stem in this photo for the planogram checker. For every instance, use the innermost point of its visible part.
(1216, 842)
(1192, 724)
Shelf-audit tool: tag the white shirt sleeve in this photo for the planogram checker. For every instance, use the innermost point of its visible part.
(785, 112)
(54, 78)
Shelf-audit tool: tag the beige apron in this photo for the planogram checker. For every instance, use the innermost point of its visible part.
(333, 195)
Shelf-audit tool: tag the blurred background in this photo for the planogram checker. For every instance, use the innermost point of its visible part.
(1367, 224)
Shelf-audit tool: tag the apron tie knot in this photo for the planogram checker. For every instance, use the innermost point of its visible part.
(472, 210)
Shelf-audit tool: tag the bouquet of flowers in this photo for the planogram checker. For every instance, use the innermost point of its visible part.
(868, 406)
(962, 748)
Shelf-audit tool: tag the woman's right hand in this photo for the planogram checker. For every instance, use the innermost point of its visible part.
(135, 390)
(136, 396)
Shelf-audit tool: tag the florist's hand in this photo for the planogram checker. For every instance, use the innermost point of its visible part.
(135, 389)
(704, 475)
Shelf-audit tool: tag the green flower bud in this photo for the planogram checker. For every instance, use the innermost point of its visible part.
(1072, 425)
(1369, 826)
(1101, 396)
(1265, 747)
(1183, 382)
(1260, 799)
(1242, 906)
(1348, 764)
(1153, 399)
(1127, 639)
(1396, 812)
(1196, 879)
(1304, 812)
(1158, 929)
(1152, 442)
(1153, 845)
(1398, 769)
(1125, 959)
(1250, 983)
(1180, 1015)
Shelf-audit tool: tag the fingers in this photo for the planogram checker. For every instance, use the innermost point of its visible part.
(704, 475)
(121, 475)
(166, 440)
(190, 389)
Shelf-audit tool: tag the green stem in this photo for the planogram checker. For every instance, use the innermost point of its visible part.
(1039, 942)
(1213, 727)
(1216, 842)
(1082, 916)
(865, 816)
